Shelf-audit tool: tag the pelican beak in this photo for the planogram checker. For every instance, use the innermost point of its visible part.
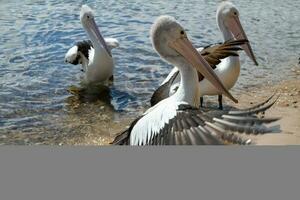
(184, 47)
(95, 30)
(238, 32)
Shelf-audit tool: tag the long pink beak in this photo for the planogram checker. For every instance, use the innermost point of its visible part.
(93, 28)
(238, 32)
(186, 49)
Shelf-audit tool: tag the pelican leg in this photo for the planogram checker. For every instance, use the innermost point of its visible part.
(220, 102)
(201, 102)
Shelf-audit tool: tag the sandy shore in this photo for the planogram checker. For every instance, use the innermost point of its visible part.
(287, 107)
(102, 128)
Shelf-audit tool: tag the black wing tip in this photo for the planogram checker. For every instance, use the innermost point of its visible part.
(258, 108)
(246, 121)
(123, 137)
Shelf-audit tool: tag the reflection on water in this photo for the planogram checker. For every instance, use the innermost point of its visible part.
(41, 99)
(90, 94)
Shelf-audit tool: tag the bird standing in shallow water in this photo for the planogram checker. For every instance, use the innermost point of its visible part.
(177, 120)
(95, 54)
(222, 57)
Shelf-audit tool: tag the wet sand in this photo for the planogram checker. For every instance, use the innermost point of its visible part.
(287, 108)
(101, 128)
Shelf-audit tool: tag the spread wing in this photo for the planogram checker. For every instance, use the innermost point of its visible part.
(213, 54)
(123, 137)
(191, 126)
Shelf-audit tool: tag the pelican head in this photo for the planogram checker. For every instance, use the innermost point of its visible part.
(164, 32)
(170, 41)
(228, 18)
(90, 26)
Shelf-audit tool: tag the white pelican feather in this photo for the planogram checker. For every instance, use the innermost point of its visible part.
(95, 54)
(176, 120)
(228, 70)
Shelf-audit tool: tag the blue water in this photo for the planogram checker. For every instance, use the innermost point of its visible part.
(35, 105)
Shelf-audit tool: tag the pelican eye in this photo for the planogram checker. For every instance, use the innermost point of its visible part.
(88, 16)
(235, 13)
(182, 32)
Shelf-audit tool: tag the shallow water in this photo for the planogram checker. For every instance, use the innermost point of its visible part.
(35, 105)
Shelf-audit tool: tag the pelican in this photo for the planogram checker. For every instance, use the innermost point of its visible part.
(227, 69)
(95, 54)
(178, 119)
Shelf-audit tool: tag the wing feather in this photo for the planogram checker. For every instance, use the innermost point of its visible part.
(191, 126)
(162, 92)
(111, 43)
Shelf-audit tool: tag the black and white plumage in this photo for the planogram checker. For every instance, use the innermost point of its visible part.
(228, 67)
(191, 126)
(213, 54)
(95, 54)
(177, 119)
(81, 52)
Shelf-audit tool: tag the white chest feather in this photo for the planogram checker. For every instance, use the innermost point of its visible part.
(228, 71)
(100, 66)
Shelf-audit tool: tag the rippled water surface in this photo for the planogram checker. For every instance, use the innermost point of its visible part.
(35, 105)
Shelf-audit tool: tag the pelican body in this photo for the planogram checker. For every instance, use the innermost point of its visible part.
(95, 54)
(228, 69)
(177, 119)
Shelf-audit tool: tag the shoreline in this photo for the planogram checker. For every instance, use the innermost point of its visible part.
(102, 128)
(287, 107)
